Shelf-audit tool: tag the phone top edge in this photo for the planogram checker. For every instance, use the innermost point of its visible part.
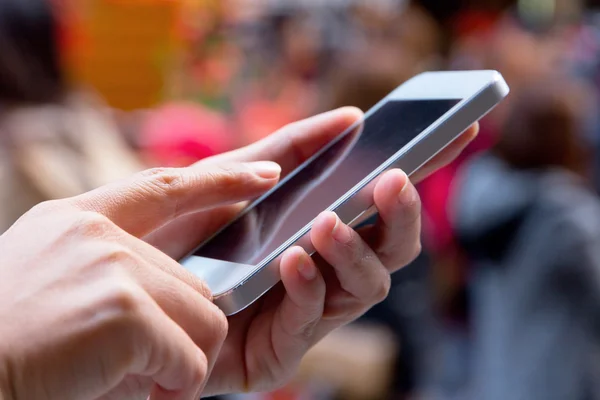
(446, 85)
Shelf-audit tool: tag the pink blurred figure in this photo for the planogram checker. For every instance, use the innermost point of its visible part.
(179, 134)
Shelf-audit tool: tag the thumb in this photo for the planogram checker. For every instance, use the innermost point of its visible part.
(153, 198)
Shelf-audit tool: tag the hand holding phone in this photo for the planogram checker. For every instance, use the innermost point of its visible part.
(406, 129)
(262, 348)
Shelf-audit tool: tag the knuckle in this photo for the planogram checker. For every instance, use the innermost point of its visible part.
(383, 290)
(412, 205)
(220, 326)
(417, 250)
(166, 183)
(199, 285)
(124, 300)
(365, 260)
(308, 330)
(89, 224)
(203, 289)
(47, 211)
(165, 180)
(351, 242)
(152, 172)
(47, 206)
(51, 209)
(122, 321)
(116, 255)
(200, 372)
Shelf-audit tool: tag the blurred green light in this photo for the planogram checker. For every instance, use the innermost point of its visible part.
(537, 10)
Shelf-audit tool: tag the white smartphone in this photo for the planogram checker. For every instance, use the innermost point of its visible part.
(405, 130)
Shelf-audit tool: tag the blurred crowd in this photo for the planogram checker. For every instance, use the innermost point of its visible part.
(504, 303)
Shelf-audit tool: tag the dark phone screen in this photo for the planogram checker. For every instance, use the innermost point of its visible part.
(270, 223)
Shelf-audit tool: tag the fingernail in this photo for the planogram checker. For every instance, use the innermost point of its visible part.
(266, 169)
(405, 186)
(340, 232)
(306, 268)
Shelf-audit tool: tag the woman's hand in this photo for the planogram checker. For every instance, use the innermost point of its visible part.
(90, 311)
(351, 274)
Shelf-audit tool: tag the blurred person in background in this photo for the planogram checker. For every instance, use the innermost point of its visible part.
(581, 56)
(529, 225)
(54, 143)
(482, 41)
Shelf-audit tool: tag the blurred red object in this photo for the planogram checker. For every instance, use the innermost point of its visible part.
(437, 190)
(71, 32)
(475, 23)
(260, 115)
(179, 134)
(261, 118)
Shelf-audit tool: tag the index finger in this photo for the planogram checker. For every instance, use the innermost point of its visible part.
(149, 200)
(295, 143)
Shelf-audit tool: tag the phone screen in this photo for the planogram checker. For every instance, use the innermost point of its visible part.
(269, 223)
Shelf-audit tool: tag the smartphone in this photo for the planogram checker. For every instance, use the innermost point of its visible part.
(405, 130)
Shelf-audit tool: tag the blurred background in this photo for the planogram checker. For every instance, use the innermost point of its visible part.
(504, 303)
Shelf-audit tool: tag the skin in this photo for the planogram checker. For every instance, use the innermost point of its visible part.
(93, 304)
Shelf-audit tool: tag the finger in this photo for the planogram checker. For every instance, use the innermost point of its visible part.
(203, 322)
(177, 366)
(297, 142)
(153, 345)
(182, 296)
(301, 309)
(149, 200)
(357, 267)
(396, 237)
(447, 155)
